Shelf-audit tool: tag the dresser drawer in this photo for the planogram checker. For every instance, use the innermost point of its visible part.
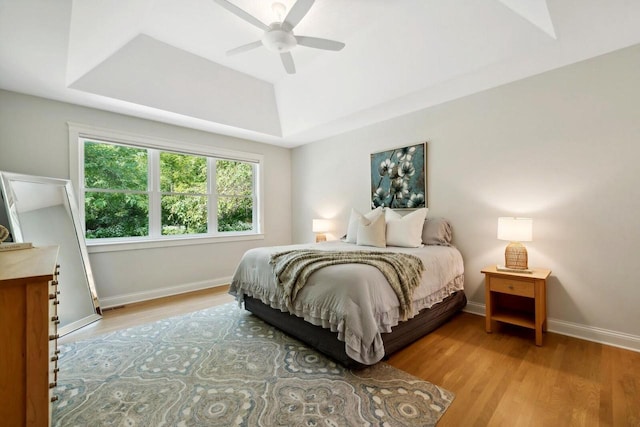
(511, 286)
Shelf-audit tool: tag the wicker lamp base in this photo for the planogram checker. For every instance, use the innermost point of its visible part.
(515, 256)
(4, 233)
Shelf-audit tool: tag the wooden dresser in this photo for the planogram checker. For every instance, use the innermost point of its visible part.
(28, 335)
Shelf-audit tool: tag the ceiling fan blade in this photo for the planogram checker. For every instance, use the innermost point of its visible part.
(287, 61)
(318, 43)
(244, 48)
(242, 14)
(297, 12)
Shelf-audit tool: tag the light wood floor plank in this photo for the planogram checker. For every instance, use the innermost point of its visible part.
(500, 379)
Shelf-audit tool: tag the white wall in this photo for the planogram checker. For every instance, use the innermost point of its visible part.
(34, 140)
(562, 147)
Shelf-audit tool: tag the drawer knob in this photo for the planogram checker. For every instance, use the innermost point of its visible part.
(52, 296)
(54, 358)
(53, 385)
(54, 398)
(54, 337)
(56, 302)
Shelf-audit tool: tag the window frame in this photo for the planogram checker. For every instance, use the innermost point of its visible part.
(78, 132)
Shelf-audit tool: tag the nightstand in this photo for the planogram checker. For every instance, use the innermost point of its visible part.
(517, 298)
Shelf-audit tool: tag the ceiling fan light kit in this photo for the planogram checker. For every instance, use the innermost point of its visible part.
(278, 40)
(279, 9)
(278, 36)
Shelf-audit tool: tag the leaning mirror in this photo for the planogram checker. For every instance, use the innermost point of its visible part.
(43, 211)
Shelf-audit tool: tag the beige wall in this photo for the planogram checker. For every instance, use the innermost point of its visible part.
(34, 140)
(562, 147)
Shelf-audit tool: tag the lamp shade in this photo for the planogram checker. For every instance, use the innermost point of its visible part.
(515, 229)
(320, 225)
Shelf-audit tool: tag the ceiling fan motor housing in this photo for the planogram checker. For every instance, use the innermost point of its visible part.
(279, 40)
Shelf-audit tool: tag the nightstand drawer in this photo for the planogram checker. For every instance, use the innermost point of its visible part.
(513, 287)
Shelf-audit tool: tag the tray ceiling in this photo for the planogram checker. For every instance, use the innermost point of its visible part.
(165, 60)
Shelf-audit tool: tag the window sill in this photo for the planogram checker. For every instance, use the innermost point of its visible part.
(115, 246)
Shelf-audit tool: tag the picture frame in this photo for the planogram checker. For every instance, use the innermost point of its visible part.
(399, 177)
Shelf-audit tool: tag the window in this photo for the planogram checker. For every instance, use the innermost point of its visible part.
(235, 195)
(141, 191)
(116, 196)
(183, 194)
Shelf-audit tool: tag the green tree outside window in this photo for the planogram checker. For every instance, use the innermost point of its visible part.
(118, 199)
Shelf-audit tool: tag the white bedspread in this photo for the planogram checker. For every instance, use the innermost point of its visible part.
(354, 300)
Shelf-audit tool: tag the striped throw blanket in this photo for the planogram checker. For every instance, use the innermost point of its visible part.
(402, 271)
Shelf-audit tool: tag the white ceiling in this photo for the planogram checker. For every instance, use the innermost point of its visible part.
(165, 59)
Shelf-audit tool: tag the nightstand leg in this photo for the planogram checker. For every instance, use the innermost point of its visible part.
(488, 305)
(541, 310)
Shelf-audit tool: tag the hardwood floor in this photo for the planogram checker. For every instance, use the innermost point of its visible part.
(500, 379)
(503, 379)
(149, 311)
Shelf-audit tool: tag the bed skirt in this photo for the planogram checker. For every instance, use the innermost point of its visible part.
(327, 342)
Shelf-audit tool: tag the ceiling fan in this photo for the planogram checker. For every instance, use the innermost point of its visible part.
(278, 37)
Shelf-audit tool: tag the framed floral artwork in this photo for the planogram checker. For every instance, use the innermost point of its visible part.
(399, 177)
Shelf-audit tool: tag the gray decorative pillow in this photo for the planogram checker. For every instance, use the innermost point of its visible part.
(437, 231)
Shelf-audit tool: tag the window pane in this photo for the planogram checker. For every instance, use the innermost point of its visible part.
(115, 167)
(116, 215)
(182, 173)
(184, 215)
(234, 178)
(235, 213)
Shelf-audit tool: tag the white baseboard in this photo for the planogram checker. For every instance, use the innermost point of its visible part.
(589, 333)
(118, 300)
(64, 330)
(474, 308)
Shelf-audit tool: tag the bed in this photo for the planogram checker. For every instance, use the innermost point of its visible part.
(349, 311)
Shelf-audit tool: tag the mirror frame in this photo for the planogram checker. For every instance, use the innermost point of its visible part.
(6, 178)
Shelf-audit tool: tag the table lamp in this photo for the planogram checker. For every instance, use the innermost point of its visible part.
(515, 230)
(320, 226)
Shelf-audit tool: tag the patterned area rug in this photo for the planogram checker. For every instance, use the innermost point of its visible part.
(224, 367)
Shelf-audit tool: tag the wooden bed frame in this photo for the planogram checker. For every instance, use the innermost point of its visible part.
(327, 342)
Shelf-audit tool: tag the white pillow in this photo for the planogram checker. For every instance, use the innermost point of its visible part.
(372, 234)
(355, 219)
(405, 231)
